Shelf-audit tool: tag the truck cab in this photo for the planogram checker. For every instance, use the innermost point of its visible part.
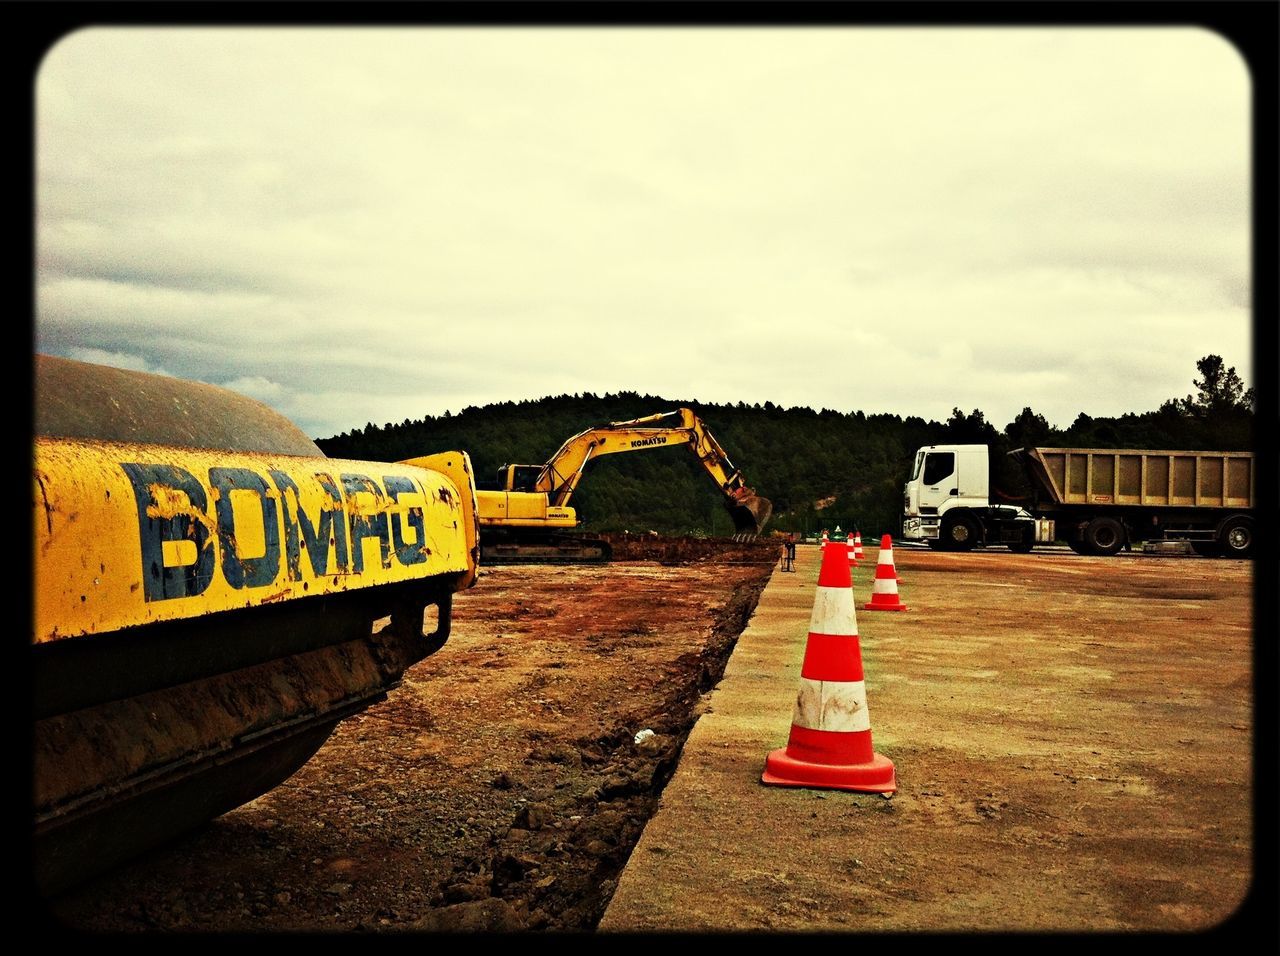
(946, 477)
(947, 504)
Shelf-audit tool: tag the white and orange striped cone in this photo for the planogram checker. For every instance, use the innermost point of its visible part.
(884, 590)
(857, 545)
(824, 540)
(853, 558)
(830, 742)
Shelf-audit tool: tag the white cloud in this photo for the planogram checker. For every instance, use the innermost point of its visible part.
(129, 362)
(255, 386)
(368, 225)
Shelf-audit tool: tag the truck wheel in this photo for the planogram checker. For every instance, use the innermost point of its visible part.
(960, 533)
(1104, 536)
(1026, 544)
(1236, 538)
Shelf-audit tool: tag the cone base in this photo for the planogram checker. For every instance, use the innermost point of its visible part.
(884, 607)
(875, 776)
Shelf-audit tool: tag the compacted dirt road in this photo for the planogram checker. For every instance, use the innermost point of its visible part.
(1073, 744)
(1073, 739)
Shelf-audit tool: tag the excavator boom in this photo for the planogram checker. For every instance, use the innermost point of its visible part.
(560, 476)
(536, 499)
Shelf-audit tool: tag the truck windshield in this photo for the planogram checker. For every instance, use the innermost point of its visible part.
(915, 471)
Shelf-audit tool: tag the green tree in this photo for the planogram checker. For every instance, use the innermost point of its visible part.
(1220, 414)
(1028, 429)
(796, 457)
(971, 429)
(1218, 390)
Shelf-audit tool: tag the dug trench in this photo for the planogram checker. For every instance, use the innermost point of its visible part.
(501, 787)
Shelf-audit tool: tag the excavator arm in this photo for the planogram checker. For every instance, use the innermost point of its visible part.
(560, 476)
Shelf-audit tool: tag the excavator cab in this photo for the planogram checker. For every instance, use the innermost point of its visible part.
(518, 477)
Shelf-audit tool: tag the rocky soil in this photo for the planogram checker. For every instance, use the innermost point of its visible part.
(502, 786)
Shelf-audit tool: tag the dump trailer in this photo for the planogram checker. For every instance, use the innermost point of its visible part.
(1098, 500)
(212, 596)
(526, 517)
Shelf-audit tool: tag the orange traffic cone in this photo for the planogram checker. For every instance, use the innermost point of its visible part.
(884, 590)
(857, 545)
(853, 558)
(824, 540)
(830, 743)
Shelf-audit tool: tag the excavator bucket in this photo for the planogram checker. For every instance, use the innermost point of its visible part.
(750, 513)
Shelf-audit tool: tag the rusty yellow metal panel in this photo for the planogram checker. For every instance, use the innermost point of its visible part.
(492, 506)
(526, 506)
(128, 534)
(456, 466)
(1210, 490)
(1077, 486)
(522, 509)
(1156, 489)
(1129, 479)
(1184, 481)
(1239, 491)
(1150, 477)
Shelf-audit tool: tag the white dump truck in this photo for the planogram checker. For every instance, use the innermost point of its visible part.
(1097, 500)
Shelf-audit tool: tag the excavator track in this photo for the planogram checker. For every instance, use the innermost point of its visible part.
(544, 548)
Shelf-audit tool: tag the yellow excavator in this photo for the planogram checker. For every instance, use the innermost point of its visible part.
(527, 517)
(212, 596)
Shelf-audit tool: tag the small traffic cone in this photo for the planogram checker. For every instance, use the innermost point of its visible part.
(830, 742)
(853, 558)
(857, 545)
(824, 540)
(884, 590)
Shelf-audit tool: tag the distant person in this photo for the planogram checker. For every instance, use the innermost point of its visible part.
(789, 553)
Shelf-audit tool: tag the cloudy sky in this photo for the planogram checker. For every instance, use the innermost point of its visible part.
(360, 225)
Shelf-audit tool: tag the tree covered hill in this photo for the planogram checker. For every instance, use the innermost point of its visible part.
(819, 468)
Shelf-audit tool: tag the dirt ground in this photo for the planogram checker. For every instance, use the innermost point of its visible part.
(500, 787)
(1072, 736)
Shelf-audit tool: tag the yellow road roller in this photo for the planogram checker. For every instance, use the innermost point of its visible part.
(212, 596)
